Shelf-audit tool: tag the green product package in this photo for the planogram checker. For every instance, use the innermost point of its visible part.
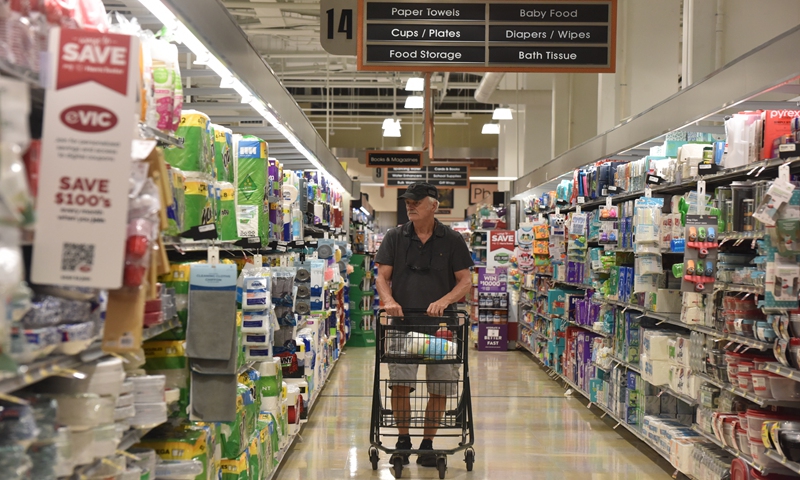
(237, 468)
(182, 443)
(268, 419)
(176, 212)
(265, 427)
(196, 154)
(235, 436)
(168, 358)
(223, 157)
(226, 222)
(251, 183)
(199, 202)
(178, 278)
(256, 466)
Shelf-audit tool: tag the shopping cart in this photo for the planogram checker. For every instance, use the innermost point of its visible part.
(408, 340)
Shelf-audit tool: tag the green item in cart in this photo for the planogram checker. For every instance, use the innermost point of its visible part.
(251, 183)
(223, 157)
(196, 154)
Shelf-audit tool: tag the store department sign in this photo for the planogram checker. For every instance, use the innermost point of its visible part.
(480, 35)
(444, 176)
(393, 159)
(89, 119)
(481, 192)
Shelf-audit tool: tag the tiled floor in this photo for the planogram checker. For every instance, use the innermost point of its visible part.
(525, 428)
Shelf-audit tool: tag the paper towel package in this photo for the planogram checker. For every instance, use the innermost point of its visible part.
(655, 371)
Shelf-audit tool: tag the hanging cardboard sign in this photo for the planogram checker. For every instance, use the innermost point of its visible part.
(501, 248)
(89, 123)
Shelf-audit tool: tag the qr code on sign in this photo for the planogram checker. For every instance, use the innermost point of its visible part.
(77, 256)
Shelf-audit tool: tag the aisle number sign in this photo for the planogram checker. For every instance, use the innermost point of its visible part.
(482, 35)
(89, 122)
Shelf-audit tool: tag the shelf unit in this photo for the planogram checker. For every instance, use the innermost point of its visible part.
(732, 287)
(63, 364)
(629, 366)
(784, 371)
(761, 402)
(736, 453)
(588, 329)
(607, 412)
(793, 466)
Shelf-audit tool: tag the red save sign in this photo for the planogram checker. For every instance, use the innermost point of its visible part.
(501, 239)
(86, 56)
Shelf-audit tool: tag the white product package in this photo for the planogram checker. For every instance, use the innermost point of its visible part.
(655, 344)
(256, 321)
(656, 372)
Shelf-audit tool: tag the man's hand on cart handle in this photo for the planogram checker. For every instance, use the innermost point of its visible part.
(437, 308)
(393, 309)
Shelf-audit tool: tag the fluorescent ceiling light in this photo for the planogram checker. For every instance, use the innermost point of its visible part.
(492, 179)
(491, 129)
(502, 114)
(415, 84)
(366, 212)
(391, 123)
(391, 132)
(415, 101)
(372, 184)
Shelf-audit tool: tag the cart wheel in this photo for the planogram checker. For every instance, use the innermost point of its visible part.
(397, 466)
(373, 457)
(469, 457)
(441, 464)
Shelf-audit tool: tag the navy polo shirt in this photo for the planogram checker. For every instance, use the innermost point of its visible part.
(422, 274)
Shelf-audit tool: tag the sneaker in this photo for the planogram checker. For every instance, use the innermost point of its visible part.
(426, 459)
(404, 443)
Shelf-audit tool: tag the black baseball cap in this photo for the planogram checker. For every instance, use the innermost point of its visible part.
(420, 190)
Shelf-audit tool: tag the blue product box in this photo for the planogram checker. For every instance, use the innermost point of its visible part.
(631, 380)
(631, 415)
(595, 385)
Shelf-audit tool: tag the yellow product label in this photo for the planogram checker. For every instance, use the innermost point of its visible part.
(219, 135)
(175, 450)
(766, 427)
(239, 403)
(196, 187)
(254, 445)
(236, 466)
(238, 318)
(164, 349)
(178, 178)
(178, 272)
(227, 193)
(264, 149)
(194, 120)
(266, 417)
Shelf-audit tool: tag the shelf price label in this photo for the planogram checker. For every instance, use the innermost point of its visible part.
(89, 124)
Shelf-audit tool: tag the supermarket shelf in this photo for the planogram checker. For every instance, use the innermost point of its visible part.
(576, 285)
(685, 398)
(785, 371)
(627, 365)
(745, 394)
(724, 237)
(525, 347)
(736, 453)
(161, 137)
(37, 371)
(281, 456)
(795, 467)
(588, 329)
(533, 330)
(631, 428)
(157, 330)
(132, 437)
(732, 287)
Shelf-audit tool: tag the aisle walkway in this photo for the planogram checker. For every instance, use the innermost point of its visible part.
(525, 428)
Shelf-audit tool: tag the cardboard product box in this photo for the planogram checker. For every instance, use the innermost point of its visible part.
(631, 380)
(776, 123)
(631, 415)
(595, 386)
(667, 301)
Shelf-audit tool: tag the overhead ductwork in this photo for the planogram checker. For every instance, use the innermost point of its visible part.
(487, 92)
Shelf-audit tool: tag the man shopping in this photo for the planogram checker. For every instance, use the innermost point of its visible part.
(423, 266)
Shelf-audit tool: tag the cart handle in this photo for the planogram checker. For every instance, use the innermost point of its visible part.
(461, 315)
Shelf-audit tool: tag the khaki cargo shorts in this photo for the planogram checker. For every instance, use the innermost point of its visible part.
(441, 379)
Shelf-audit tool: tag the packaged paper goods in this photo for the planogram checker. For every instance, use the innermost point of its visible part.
(197, 152)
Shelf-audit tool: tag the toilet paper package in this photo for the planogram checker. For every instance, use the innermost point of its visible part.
(655, 371)
(655, 344)
(226, 212)
(196, 155)
(237, 468)
(269, 429)
(235, 436)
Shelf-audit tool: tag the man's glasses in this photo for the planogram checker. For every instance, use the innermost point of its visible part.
(415, 268)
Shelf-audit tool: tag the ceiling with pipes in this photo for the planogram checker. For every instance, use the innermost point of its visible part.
(329, 88)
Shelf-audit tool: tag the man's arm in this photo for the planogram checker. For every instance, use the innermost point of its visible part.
(463, 284)
(383, 283)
